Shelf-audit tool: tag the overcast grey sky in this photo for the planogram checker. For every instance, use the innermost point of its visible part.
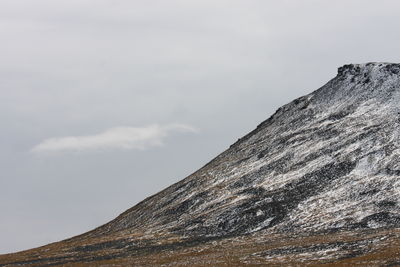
(105, 102)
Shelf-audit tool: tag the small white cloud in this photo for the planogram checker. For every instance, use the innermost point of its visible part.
(140, 138)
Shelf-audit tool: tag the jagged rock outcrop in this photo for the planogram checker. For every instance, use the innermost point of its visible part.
(327, 163)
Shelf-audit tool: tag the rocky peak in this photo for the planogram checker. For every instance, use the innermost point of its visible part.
(369, 68)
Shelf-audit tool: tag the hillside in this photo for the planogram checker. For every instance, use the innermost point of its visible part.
(316, 183)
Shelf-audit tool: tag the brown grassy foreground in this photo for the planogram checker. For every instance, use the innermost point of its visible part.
(345, 248)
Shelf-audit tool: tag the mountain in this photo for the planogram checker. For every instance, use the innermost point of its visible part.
(316, 183)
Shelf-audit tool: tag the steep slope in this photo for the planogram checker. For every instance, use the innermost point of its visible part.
(323, 169)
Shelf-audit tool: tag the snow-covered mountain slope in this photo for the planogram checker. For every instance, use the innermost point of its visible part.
(328, 162)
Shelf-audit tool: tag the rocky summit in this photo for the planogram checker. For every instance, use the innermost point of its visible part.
(316, 184)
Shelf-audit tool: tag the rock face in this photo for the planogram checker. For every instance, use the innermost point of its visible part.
(327, 160)
(326, 163)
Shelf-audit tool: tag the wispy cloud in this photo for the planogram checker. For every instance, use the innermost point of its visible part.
(139, 138)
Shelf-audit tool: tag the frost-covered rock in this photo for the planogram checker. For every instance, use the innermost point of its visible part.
(327, 160)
